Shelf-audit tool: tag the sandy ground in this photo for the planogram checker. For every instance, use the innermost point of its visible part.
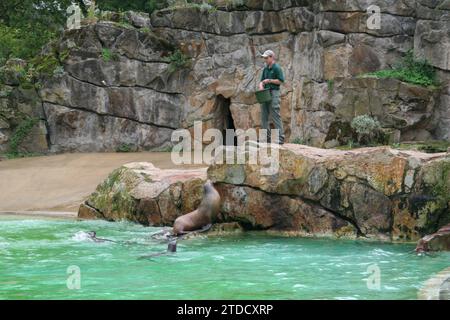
(59, 183)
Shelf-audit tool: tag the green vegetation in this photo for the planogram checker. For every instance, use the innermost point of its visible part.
(411, 70)
(428, 146)
(441, 189)
(204, 6)
(367, 128)
(298, 140)
(178, 60)
(146, 30)
(231, 4)
(108, 55)
(166, 149)
(91, 11)
(435, 146)
(113, 195)
(19, 135)
(125, 148)
(330, 84)
(349, 146)
(136, 5)
(28, 75)
(27, 25)
(47, 65)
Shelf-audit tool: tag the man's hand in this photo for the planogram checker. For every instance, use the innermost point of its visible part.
(266, 81)
(261, 85)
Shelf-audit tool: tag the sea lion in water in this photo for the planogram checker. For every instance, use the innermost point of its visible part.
(203, 216)
(93, 236)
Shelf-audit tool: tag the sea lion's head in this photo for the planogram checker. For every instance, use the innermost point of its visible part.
(92, 234)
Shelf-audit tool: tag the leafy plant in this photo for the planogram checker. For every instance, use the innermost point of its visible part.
(44, 65)
(178, 60)
(108, 55)
(27, 25)
(367, 128)
(166, 149)
(145, 30)
(206, 7)
(125, 148)
(58, 72)
(91, 10)
(298, 140)
(411, 70)
(230, 4)
(330, 85)
(153, 5)
(433, 146)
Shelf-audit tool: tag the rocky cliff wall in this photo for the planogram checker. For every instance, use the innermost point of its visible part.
(118, 86)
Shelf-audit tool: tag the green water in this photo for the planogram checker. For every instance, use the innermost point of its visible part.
(35, 255)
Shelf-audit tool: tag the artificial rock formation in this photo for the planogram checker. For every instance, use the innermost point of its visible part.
(372, 192)
(19, 104)
(118, 86)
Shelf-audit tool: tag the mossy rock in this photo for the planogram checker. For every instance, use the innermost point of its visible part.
(428, 146)
(112, 197)
(432, 208)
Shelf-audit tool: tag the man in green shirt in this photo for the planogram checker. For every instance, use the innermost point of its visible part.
(271, 78)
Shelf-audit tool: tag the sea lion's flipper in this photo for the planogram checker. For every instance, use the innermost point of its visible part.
(206, 228)
(187, 233)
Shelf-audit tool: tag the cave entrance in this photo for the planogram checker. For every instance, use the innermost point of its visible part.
(223, 120)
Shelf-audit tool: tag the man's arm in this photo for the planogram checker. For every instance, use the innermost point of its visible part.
(280, 76)
(274, 81)
(261, 83)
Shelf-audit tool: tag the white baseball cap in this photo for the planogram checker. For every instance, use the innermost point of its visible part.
(268, 53)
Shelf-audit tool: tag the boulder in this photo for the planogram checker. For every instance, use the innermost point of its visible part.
(137, 19)
(142, 193)
(438, 241)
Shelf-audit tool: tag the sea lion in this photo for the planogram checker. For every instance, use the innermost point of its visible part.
(93, 236)
(171, 248)
(203, 216)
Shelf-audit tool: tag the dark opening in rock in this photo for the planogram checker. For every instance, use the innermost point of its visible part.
(223, 120)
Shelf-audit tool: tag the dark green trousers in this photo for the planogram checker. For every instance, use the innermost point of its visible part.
(272, 109)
